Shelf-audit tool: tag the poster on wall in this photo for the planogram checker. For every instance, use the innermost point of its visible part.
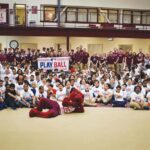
(2, 15)
(34, 9)
(52, 63)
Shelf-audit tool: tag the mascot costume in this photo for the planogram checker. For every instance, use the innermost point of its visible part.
(74, 102)
(45, 103)
(71, 104)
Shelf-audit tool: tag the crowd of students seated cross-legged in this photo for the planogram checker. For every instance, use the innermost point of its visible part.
(118, 78)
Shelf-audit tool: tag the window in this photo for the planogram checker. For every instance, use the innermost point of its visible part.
(136, 17)
(127, 16)
(146, 18)
(103, 16)
(92, 15)
(82, 15)
(108, 15)
(48, 13)
(3, 15)
(71, 15)
(113, 16)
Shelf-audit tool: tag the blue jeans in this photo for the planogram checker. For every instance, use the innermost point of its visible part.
(119, 103)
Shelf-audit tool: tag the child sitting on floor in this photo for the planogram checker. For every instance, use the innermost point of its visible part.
(105, 95)
(89, 100)
(137, 99)
(118, 98)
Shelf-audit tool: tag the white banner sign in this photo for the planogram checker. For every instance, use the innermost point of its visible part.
(2, 15)
(52, 63)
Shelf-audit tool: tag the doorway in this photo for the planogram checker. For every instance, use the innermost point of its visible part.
(20, 14)
(4, 16)
(95, 49)
(126, 47)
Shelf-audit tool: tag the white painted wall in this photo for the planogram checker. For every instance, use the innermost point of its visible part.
(110, 45)
(41, 41)
(77, 41)
(132, 4)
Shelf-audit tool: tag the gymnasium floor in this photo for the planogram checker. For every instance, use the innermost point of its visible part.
(96, 129)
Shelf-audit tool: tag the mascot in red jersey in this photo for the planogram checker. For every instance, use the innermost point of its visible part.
(74, 102)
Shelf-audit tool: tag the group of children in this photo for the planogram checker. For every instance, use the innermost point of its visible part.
(22, 85)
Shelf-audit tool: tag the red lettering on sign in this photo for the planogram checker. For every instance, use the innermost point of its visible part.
(55, 64)
(59, 64)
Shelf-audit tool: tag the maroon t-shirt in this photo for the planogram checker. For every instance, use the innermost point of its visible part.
(3, 57)
(134, 59)
(10, 57)
(85, 58)
(111, 59)
(129, 59)
(121, 57)
(77, 57)
(140, 57)
(17, 56)
(29, 57)
(94, 59)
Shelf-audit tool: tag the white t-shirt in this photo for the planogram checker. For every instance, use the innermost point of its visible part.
(13, 78)
(87, 95)
(148, 87)
(39, 95)
(129, 90)
(148, 96)
(118, 94)
(19, 88)
(137, 97)
(67, 90)
(2, 92)
(45, 87)
(106, 93)
(26, 95)
(60, 95)
(82, 87)
(148, 72)
(2, 72)
(143, 90)
(77, 85)
(96, 90)
(124, 94)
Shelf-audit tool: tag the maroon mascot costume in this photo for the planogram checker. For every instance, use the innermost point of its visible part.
(74, 100)
(45, 103)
